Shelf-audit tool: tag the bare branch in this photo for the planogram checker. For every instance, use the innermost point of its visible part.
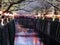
(53, 6)
(58, 0)
(12, 3)
(20, 9)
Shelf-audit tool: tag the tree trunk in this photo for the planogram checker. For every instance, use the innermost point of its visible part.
(0, 4)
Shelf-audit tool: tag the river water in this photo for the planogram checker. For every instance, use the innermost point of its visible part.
(26, 36)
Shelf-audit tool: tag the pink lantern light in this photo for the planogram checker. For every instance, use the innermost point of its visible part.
(1, 12)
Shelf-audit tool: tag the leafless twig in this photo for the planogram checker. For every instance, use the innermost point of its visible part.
(12, 3)
(53, 6)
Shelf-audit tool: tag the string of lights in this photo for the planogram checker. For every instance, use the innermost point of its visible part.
(5, 18)
(8, 17)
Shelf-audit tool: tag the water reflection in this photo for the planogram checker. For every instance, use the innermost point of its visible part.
(26, 39)
(26, 36)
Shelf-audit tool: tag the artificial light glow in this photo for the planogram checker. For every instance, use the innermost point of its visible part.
(57, 16)
(48, 16)
(6, 14)
(39, 15)
(2, 22)
(1, 12)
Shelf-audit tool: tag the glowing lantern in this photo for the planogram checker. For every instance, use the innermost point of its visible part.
(1, 12)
